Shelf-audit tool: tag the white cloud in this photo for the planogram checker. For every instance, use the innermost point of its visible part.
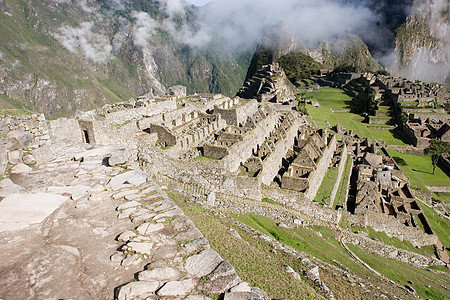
(93, 46)
(143, 29)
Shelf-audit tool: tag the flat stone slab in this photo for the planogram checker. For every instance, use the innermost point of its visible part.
(177, 288)
(19, 211)
(132, 177)
(7, 187)
(143, 248)
(221, 279)
(128, 205)
(202, 264)
(21, 169)
(148, 228)
(137, 290)
(160, 274)
(77, 191)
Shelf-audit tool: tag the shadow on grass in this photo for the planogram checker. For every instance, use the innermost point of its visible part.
(421, 171)
(398, 136)
(349, 105)
(400, 161)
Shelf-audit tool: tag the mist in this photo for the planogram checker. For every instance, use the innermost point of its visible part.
(82, 39)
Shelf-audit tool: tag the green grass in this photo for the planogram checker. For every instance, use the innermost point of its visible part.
(420, 170)
(254, 259)
(439, 225)
(331, 98)
(442, 197)
(323, 246)
(394, 241)
(324, 193)
(15, 112)
(204, 158)
(343, 185)
(267, 200)
(304, 239)
(401, 273)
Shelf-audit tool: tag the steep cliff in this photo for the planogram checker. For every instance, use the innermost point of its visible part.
(422, 43)
(58, 56)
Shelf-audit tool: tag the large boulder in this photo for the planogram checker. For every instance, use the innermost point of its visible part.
(18, 139)
(43, 154)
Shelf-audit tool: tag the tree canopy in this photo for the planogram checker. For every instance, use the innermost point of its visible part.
(436, 149)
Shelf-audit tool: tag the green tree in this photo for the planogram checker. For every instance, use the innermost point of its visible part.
(436, 149)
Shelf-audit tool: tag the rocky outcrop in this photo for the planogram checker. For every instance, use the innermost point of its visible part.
(422, 49)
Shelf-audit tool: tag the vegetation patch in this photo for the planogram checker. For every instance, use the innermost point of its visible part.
(324, 193)
(343, 185)
(419, 169)
(254, 259)
(335, 99)
(439, 225)
(427, 284)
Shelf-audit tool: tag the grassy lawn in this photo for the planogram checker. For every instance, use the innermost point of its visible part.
(343, 185)
(420, 170)
(254, 259)
(324, 192)
(401, 273)
(331, 98)
(320, 242)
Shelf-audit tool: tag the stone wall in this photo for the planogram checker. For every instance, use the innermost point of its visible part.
(151, 109)
(240, 152)
(213, 151)
(237, 115)
(380, 121)
(29, 131)
(272, 163)
(314, 213)
(209, 175)
(64, 129)
(23, 139)
(436, 117)
(392, 227)
(315, 180)
(384, 250)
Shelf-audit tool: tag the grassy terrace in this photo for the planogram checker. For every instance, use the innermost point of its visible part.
(428, 285)
(343, 185)
(324, 192)
(420, 170)
(393, 241)
(320, 242)
(253, 259)
(439, 225)
(331, 98)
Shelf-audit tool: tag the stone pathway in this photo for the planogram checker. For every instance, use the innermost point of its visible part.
(75, 228)
(180, 262)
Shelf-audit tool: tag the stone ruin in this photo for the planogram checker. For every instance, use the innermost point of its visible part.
(269, 84)
(380, 186)
(254, 148)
